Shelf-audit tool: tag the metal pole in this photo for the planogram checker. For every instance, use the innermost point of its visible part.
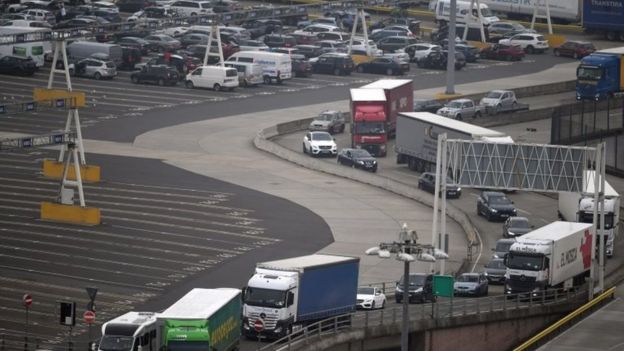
(26, 332)
(450, 62)
(592, 276)
(443, 194)
(434, 229)
(405, 331)
(601, 258)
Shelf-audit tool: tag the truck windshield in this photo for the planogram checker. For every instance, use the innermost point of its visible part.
(265, 297)
(116, 343)
(525, 262)
(188, 345)
(589, 73)
(369, 128)
(587, 217)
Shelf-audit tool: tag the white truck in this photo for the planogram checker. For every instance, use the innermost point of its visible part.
(417, 137)
(466, 12)
(558, 255)
(131, 331)
(564, 11)
(288, 294)
(579, 207)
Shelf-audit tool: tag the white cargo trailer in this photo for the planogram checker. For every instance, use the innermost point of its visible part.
(565, 11)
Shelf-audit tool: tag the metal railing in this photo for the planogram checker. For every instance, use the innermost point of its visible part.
(443, 308)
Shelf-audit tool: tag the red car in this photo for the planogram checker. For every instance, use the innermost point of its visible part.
(503, 52)
(574, 49)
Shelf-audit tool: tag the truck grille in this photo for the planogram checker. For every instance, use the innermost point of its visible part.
(269, 321)
(521, 283)
(325, 147)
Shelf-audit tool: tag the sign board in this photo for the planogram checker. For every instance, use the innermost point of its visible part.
(89, 317)
(259, 325)
(27, 300)
(92, 292)
(443, 285)
(68, 313)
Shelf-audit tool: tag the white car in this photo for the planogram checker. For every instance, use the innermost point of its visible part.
(174, 31)
(529, 42)
(319, 143)
(359, 44)
(405, 29)
(252, 45)
(499, 99)
(317, 28)
(418, 51)
(370, 298)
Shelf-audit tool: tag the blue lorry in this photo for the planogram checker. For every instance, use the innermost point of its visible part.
(600, 75)
(291, 293)
(604, 17)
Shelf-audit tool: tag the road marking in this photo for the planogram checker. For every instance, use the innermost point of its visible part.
(523, 211)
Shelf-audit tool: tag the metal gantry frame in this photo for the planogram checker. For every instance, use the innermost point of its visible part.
(545, 15)
(527, 167)
(359, 16)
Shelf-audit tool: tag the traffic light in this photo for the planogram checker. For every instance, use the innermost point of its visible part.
(68, 313)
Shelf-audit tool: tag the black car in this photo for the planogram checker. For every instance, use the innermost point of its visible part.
(386, 33)
(460, 59)
(261, 27)
(495, 205)
(427, 182)
(301, 67)
(420, 288)
(309, 51)
(280, 41)
(135, 42)
(427, 105)
(134, 5)
(391, 44)
(471, 53)
(333, 63)
(17, 66)
(516, 226)
(438, 59)
(156, 74)
(357, 158)
(130, 56)
(383, 65)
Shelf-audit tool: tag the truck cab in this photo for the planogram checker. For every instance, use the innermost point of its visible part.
(600, 75)
(611, 220)
(368, 113)
(527, 267)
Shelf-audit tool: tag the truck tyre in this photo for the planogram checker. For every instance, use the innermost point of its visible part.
(267, 80)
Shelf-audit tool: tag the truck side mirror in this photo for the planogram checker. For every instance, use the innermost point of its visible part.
(243, 292)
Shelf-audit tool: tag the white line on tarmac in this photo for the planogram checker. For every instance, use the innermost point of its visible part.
(523, 211)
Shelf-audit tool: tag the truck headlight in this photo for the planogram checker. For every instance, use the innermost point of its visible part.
(382, 147)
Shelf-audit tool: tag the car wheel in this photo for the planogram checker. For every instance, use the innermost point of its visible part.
(161, 82)
(383, 304)
(193, 14)
(267, 80)
(217, 87)
(373, 306)
(575, 56)
(336, 71)
(478, 114)
(611, 36)
(459, 117)
(360, 69)
(529, 49)
(498, 108)
(135, 79)
(97, 76)
(189, 84)
(514, 104)
(389, 72)
(557, 53)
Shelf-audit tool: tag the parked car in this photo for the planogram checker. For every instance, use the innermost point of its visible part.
(130, 56)
(501, 27)
(17, 66)
(516, 226)
(357, 158)
(135, 42)
(339, 36)
(134, 5)
(260, 27)
(333, 63)
(370, 298)
(426, 182)
(427, 105)
(213, 77)
(395, 42)
(460, 109)
(574, 49)
(475, 284)
(309, 51)
(471, 53)
(194, 39)
(328, 121)
(420, 50)
(280, 41)
(502, 247)
(496, 100)
(183, 64)
(301, 67)
(192, 8)
(495, 271)
(435, 59)
(503, 52)
(304, 38)
(331, 46)
(252, 45)
(93, 68)
(420, 288)
(386, 33)
(156, 74)
(384, 65)
(495, 205)
(319, 144)
(162, 43)
(529, 42)
(460, 59)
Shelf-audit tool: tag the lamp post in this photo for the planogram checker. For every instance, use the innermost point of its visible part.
(407, 249)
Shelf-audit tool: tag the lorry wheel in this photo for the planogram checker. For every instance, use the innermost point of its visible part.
(267, 80)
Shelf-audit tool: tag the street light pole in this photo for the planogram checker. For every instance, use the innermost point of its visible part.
(405, 331)
(450, 59)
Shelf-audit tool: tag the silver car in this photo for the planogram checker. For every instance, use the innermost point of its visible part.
(93, 68)
(460, 109)
(495, 271)
(328, 121)
(497, 100)
(475, 284)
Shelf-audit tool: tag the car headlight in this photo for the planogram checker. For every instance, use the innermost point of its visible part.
(511, 233)
(315, 146)
(360, 162)
(485, 273)
(514, 210)
(382, 148)
(493, 210)
(399, 290)
(458, 189)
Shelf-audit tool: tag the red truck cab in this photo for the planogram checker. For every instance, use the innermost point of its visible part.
(368, 116)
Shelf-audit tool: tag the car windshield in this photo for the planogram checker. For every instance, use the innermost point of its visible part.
(415, 280)
(493, 95)
(496, 264)
(503, 246)
(454, 104)
(517, 26)
(540, 38)
(116, 343)
(525, 262)
(589, 73)
(519, 223)
(360, 153)
(587, 46)
(325, 117)
(321, 136)
(370, 128)
(110, 64)
(265, 297)
(499, 200)
(366, 291)
(468, 278)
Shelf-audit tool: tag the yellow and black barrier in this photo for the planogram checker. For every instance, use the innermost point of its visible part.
(56, 212)
(54, 169)
(563, 321)
(78, 99)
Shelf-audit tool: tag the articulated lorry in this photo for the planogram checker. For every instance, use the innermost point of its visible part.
(600, 75)
(203, 319)
(288, 294)
(561, 11)
(605, 17)
(130, 331)
(374, 110)
(557, 255)
(579, 207)
(417, 137)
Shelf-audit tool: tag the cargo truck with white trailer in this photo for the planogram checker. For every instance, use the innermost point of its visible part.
(131, 331)
(579, 207)
(288, 294)
(558, 255)
(561, 11)
(417, 137)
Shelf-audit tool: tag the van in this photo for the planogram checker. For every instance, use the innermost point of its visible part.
(249, 74)
(465, 13)
(83, 49)
(36, 50)
(275, 66)
(420, 288)
(215, 77)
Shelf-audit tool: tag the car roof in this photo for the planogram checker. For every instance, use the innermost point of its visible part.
(461, 100)
(501, 91)
(493, 193)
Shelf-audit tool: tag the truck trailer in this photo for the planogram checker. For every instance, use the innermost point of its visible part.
(557, 255)
(417, 137)
(203, 319)
(579, 207)
(288, 294)
(130, 331)
(561, 11)
(600, 75)
(605, 17)
(374, 109)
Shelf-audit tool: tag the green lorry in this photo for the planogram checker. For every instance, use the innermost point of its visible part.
(203, 319)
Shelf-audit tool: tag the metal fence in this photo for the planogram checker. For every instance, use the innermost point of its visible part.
(446, 308)
(588, 122)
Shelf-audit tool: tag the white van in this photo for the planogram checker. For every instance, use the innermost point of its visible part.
(465, 14)
(37, 50)
(275, 66)
(215, 77)
(249, 74)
